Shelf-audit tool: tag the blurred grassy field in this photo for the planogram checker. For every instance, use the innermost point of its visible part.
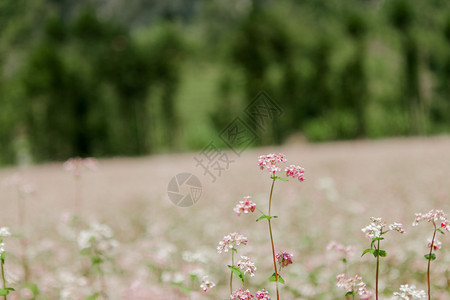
(163, 248)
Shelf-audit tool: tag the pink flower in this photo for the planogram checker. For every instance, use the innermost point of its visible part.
(241, 295)
(437, 216)
(231, 241)
(436, 245)
(75, 165)
(262, 295)
(353, 284)
(346, 251)
(245, 206)
(22, 185)
(206, 284)
(284, 259)
(246, 265)
(270, 162)
(295, 172)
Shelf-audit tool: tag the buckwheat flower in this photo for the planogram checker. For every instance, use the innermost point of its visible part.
(372, 231)
(4, 232)
(346, 251)
(437, 216)
(231, 241)
(353, 284)
(397, 227)
(436, 245)
(76, 164)
(245, 206)
(21, 184)
(241, 295)
(246, 265)
(206, 284)
(270, 162)
(262, 295)
(284, 259)
(409, 293)
(295, 172)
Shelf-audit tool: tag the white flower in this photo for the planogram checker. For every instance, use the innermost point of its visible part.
(4, 232)
(409, 293)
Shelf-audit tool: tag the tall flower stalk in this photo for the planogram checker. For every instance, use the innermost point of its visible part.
(75, 166)
(440, 222)
(24, 189)
(271, 162)
(375, 231)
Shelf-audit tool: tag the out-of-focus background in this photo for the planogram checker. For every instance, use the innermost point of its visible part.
(107, 78)
(355, 91)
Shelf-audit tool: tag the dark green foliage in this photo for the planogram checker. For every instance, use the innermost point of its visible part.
(96, 78)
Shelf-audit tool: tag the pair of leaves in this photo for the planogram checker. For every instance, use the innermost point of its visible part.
(237, 272)
(375, 252)
(278, 177)
(274, 278)
(351, 293)
(5, 291)
(266, 217)
(432, 257)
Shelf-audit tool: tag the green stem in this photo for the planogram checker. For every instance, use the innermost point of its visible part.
(231, 275)
(429, 262)
(378, 268)
(271, 239)
(3, 278)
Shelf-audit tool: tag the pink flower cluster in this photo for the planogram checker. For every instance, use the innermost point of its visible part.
(270, 162)
(437, 216)
(346, 251)
(245, 206)
(262, 295)
(21, 184)
(284, 259)
(295, 172)
(206, 284)
(231, 241)
(75, 165)
(246, 265)
(353, 284)
(239, 294)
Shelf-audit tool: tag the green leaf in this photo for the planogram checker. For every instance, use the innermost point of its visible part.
(237, 272)
(350, 293)
(282, 179)
(96, 260)
(234, 249)
(370, 250)
(382, 253)
(273, 278)
(10, 289)
(376, 239)
(439, 230)
(433, 256)
(2, 257)
(264, 217)
(4, 292)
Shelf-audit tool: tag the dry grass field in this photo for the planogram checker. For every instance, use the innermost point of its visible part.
(156, 250)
